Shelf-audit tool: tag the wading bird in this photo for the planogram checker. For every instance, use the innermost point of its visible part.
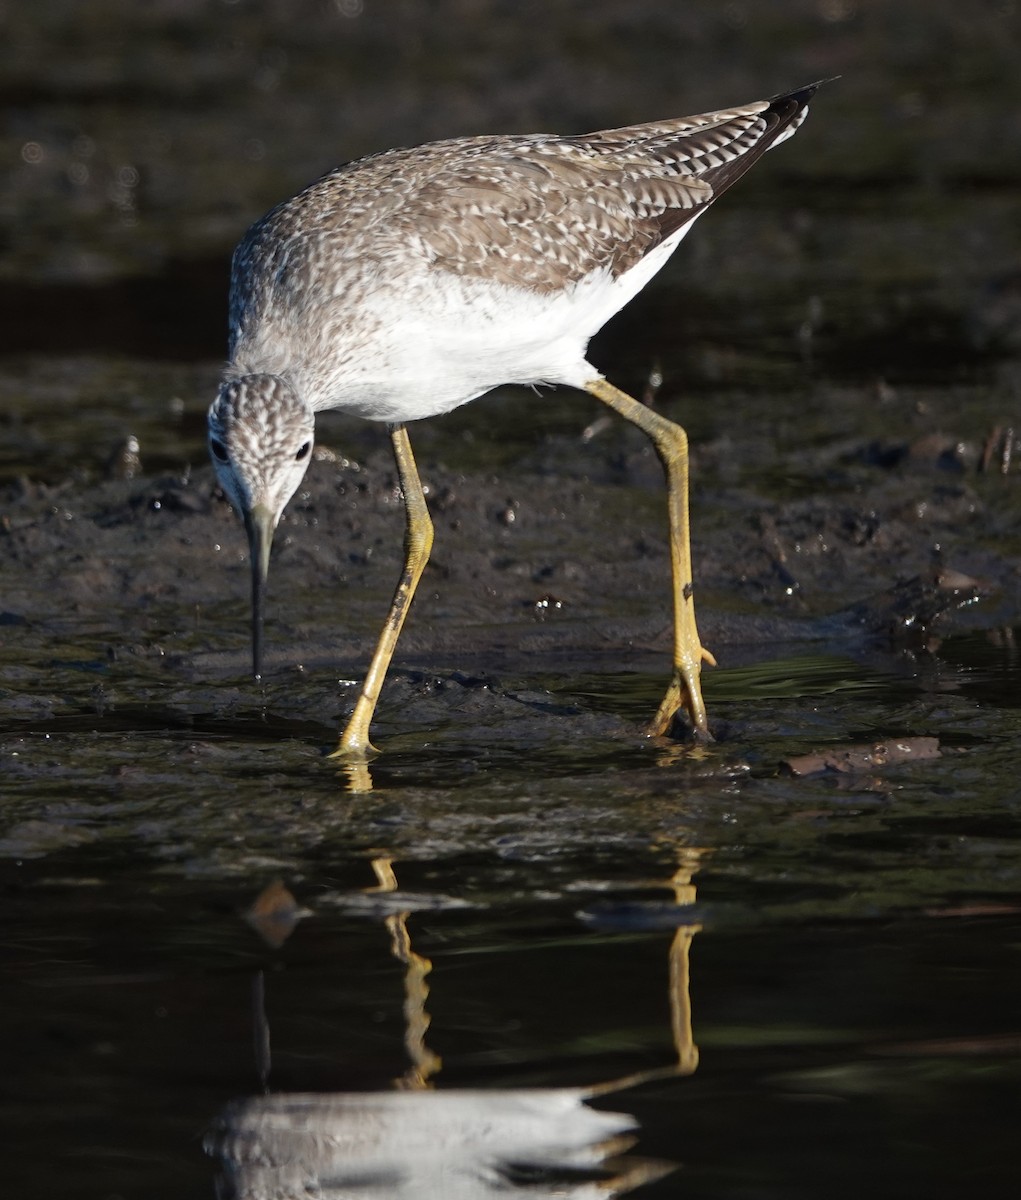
(407, 283)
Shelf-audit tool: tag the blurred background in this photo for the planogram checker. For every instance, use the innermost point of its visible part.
(139, 141)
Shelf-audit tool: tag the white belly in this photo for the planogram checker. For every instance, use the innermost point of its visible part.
(435, 340)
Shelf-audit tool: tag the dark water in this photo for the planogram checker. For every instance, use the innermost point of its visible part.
(525, 950)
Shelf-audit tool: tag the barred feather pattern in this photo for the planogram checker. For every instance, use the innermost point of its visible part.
(322, 282)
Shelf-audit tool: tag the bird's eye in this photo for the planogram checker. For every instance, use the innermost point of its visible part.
(303, 451)
(219, 450)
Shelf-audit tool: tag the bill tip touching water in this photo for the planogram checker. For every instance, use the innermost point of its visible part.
(408, 283)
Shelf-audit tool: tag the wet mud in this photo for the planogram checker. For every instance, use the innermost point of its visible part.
(550, 562)
(783, 962)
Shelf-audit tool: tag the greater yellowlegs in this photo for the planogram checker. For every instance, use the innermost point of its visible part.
(410, 282)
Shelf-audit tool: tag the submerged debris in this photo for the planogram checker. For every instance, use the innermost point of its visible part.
(862, 757)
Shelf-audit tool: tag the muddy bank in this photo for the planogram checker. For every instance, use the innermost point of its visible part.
(550, 561)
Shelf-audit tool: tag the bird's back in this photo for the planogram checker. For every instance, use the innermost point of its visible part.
(535, 214)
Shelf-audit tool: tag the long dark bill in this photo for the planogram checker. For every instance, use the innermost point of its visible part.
(259, 526)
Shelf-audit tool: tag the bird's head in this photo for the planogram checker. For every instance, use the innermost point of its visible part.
(260, 440)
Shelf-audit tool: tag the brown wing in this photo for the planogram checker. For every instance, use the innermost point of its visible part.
(543, 212)
(537, 212)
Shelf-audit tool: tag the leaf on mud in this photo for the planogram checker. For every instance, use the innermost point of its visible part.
(864, 757)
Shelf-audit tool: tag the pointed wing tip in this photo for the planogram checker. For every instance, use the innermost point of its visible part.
(802, 95)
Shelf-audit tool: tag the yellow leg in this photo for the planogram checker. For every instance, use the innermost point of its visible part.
(671, 444)
(418, 539)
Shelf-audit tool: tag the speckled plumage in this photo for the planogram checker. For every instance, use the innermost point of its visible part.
(408, 283)
(260, 427)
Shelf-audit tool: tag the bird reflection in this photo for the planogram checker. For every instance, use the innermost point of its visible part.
(355, 777)
(450, 1145)
(424, 1064)
(419, 1143)
(680, 947)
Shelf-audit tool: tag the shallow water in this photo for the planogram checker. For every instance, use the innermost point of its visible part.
(523, 913)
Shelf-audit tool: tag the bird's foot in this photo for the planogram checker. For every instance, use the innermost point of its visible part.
(353, 758)
(684, 691)
(347, 754)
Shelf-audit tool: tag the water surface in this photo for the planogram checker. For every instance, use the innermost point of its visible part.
(526, 949)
